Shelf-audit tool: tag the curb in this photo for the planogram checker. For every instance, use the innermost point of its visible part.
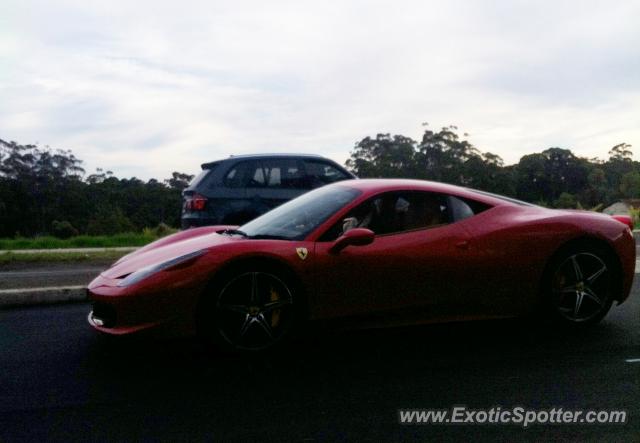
(37, 296)
(69, 250)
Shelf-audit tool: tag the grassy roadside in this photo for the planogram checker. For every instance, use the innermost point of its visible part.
(128, 240)
(80, 241)
(7, 258)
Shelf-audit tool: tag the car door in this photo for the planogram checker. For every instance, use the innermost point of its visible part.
(417, 265)
(228, 195)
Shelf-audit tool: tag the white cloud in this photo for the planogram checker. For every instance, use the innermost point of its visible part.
(144, 88)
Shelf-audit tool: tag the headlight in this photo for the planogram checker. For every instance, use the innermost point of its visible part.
(147, 271)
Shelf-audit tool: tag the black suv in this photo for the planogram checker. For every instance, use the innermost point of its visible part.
(240, 188)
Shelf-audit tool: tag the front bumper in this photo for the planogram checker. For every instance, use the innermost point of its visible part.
(625, 247)
(126, 310)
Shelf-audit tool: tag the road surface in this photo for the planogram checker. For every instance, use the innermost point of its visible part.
(61, 381)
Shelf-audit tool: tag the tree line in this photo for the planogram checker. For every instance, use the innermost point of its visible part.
(555, 177)
(46, 191)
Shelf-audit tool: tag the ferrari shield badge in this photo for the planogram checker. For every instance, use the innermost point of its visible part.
(302, 253)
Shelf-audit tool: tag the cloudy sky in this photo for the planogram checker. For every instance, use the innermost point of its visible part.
(148, 87)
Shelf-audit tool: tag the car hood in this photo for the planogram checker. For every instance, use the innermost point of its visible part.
(155, 255)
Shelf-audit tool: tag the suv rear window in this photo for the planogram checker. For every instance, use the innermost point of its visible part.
(198, 179)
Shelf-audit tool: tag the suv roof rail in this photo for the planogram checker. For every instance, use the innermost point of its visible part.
(210, 165)
(277, 154)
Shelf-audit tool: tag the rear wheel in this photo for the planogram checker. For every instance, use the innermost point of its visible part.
(249, 311)
(580, 286)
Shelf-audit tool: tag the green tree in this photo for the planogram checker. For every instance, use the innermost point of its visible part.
(630, 185)
(109, 221)
(41, 185)
(619, 164)
(566, 201)
(179, 180)
(597, 189)
(384, 156)
(621, 152)
(546, 175)
(441, 155)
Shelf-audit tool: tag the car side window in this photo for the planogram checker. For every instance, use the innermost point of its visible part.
(395, 212)
(321, 173)
(462, 208)
(459, 209)
(239, 175)
(278, 173)
(268, 173)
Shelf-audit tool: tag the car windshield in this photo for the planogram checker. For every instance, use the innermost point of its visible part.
(296, 219)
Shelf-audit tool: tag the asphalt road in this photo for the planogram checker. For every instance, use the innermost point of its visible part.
(61, 381)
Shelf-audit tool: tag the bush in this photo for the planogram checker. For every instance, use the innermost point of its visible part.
(63, 229)
(80, 241)
(635, 215)
(109, 222)
(566, 201)
(163, 230)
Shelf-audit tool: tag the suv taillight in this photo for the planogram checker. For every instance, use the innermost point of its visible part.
(195, 202)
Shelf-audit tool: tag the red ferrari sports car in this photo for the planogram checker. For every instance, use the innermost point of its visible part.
(376, 252)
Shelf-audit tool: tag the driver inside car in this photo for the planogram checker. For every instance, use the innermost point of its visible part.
(393, 213)
(362, 217)
(381, 214)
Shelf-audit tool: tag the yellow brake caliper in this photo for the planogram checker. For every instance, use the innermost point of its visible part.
(275, 314)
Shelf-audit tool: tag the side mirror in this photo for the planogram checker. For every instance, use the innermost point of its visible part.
(353, 237)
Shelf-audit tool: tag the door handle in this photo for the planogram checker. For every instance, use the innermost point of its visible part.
(464, 244)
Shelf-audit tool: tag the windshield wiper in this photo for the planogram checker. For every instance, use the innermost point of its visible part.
(235, 232)
(268, 237)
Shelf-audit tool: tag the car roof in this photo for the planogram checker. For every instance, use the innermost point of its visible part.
(374, 186)
(266, 155)
(277, 154)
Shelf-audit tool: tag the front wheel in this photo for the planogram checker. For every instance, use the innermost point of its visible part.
(579, 288)
(250, 311)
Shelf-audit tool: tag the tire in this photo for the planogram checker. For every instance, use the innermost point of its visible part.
(250, 310)
(579, 286)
